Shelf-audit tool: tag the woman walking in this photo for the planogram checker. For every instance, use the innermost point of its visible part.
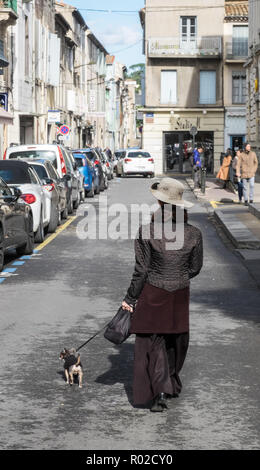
(223, 173)
(235, 165)
(160, 286)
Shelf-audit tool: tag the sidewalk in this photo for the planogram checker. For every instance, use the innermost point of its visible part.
(240, 223)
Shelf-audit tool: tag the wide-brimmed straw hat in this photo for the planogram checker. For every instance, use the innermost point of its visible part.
(170, 191)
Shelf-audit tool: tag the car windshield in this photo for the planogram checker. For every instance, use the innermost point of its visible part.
(41, 171)
(33, 154)
(139, 155)
(15, 175)
(120, 154)
(90, 155)
(79, 161)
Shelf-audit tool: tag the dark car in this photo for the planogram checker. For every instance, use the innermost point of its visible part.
(95, 159)
(56, 189)
(73, 180)
(16, 223)
(87, 170)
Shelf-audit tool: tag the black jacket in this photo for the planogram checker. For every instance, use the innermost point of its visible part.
(165, 268)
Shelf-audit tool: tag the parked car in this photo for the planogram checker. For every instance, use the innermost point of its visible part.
(136, 162)
(104, 173)
(58, 156)
(56, 192)
(109, 165)
(16, 223)
(95, 159)
(87, 170)
(119, 154)
(22, 175)
(79, 176)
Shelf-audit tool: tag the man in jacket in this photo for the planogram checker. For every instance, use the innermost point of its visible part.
(246, 169)
(197, 164)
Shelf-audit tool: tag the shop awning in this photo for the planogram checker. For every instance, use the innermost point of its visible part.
(5, 117)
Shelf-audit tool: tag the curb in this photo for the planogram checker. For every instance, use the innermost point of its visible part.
(236, 231)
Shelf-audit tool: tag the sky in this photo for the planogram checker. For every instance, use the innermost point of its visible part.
(120, 33)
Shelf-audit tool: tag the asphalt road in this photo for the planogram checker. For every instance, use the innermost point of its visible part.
(71, 288)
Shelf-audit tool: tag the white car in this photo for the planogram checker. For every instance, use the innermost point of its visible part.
(136, 162)
(21, 175)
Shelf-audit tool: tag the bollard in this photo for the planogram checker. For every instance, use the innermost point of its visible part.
(203, 173)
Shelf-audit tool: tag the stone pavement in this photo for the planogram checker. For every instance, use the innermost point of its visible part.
(240, 224)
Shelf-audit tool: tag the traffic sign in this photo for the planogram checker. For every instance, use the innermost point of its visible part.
(193, 131)
(63, 130)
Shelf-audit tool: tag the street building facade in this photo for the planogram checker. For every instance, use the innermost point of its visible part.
(235, 88)
(252, 66)
(195, 80)
(53, 72)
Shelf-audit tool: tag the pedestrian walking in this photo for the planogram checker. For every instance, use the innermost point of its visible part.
(197, 164)
(160, 286)
(237, 179)
(223, 173)
(247, 167)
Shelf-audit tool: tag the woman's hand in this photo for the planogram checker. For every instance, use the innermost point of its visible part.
(125, 306)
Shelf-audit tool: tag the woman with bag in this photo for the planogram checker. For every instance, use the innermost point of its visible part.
(237, 179)
(160, 287)
(223, 173)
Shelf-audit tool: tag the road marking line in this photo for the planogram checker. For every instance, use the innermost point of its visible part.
(215, 204)
(54, 235)
(9, 270)
(18, 263)
(25, 258)
(2, 280)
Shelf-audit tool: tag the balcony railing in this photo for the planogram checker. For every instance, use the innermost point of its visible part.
(236, 51)
(9, 4)
(204, 47)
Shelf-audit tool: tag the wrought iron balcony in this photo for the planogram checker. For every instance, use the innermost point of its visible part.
(8, 12)
(203, 47)
(236, 51)
(12, 4)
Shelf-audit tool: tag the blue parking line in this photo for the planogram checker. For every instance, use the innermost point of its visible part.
(35, 251)
(25, 257)
(18, 263)
(2, 279)
(9, 270)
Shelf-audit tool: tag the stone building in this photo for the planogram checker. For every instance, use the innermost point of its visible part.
(252, 67)
(184, 81)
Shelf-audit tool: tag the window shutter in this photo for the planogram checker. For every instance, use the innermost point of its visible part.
(208, 87)
(168, 87)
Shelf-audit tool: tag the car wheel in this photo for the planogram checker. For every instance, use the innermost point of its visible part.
(152, 175)
(70, 205)
(91, 193)
(27, 249)
(77, 202)
(39, 235)
(64, 214)
(53, 220)
(82, 196)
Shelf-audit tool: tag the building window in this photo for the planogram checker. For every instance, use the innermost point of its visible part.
(238, 88)
(188, 28)
(168, 87)
(240, 41)
(207, 87)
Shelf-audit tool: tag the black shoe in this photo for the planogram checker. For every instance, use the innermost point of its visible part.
(251, 201)
(246, 203)
(159, 403)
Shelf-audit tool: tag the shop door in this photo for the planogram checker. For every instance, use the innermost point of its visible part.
(177, 150)
(236, 142)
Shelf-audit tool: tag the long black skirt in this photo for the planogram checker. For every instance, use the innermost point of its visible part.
(158, 360)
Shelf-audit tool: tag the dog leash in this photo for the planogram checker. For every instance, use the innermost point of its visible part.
(92, 337)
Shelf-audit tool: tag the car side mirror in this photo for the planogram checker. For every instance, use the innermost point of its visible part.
(47, 181)
(16, 193)
(66, 177)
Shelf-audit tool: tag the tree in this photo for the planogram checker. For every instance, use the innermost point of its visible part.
(136, 72)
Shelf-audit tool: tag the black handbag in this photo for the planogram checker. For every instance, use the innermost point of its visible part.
(117, 330)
